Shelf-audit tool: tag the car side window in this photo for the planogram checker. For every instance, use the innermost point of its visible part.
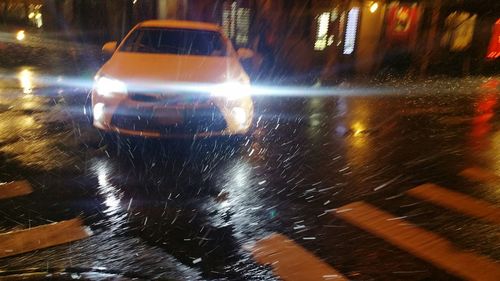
(128, 46)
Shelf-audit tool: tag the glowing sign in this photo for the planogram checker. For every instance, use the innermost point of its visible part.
(350, 31)
(322, 34)
(494, 47)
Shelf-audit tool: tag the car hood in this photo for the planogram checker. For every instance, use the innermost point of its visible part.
(145, 68)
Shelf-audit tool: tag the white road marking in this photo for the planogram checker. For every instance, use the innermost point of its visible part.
(481, 175)
(421, 243)
(457, 202)
(15, 189)
(291, 261)
(40, 237)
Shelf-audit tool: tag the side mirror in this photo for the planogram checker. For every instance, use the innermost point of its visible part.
(244, 53)
(109, 48)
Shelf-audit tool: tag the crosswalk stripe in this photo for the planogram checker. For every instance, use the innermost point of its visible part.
(479, 174)
(456, 201)
(291, 261)
(27, 240)
(419, 242)
(14, 189)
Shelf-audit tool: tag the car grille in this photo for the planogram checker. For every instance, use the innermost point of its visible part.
(143, 97)
(171, 99)
(194, 120)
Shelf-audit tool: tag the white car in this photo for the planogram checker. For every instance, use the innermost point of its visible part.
(173, 79)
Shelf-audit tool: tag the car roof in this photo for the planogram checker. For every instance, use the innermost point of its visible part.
(180, 24)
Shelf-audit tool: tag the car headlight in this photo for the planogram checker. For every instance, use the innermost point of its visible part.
(240, 115)
(107, 87)
(98, 111)
(231, 90)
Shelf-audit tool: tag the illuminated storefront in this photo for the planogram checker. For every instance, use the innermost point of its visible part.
(361, 34)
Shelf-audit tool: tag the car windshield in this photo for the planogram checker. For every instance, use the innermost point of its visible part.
(175, 41)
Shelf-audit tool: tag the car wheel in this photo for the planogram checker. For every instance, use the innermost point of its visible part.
(111, 143)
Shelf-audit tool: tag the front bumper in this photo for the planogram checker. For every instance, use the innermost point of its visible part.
(206, 117)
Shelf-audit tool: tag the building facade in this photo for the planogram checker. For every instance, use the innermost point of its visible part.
(301, 39)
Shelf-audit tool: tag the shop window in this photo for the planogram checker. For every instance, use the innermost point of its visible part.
(236, 22)
(351, 30)
(329, 29)
(322, 32)
(459, 30)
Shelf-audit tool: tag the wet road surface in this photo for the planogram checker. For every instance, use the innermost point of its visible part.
(188, 210)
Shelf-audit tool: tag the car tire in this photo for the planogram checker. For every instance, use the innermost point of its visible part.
(111, 143)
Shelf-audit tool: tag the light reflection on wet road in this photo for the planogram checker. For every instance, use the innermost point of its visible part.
(192, 209)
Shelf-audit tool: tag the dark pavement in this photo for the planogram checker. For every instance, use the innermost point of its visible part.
(187, 210)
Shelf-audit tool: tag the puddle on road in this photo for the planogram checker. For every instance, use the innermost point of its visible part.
(24, 134)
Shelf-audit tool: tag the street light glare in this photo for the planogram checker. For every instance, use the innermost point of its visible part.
(20, 35)
(26, 80)
(374, 7)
